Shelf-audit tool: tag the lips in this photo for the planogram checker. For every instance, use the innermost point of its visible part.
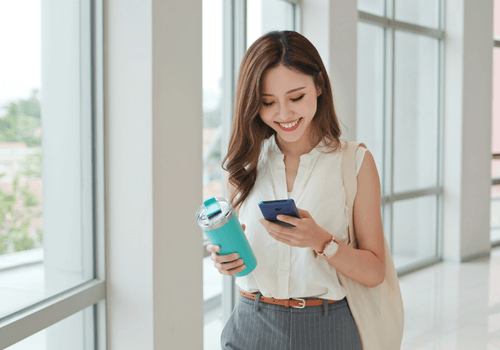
(293, 127)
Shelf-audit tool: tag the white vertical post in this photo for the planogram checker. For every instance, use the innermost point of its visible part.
(153, 138)
(467, 128)
(332, 27)
(177, 127)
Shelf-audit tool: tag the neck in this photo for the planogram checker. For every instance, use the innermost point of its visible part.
(296, 149)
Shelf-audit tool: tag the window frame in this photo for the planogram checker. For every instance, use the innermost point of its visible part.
(43, 314)
(390, 25)
(495, 156)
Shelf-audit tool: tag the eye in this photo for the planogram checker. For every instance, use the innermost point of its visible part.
(293, 99)
(298, 98)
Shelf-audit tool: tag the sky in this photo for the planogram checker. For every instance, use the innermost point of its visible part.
(20, 60)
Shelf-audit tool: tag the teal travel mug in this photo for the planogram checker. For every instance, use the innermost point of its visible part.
(220, 224)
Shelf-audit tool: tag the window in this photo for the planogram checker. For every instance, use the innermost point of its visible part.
(63, 334)
(495, 162)
(399, 117)
(224, 44)
(51, 190)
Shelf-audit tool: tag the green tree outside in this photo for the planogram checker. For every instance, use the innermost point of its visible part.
(21, 124)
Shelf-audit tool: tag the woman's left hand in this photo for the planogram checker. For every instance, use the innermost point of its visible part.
(306, 232)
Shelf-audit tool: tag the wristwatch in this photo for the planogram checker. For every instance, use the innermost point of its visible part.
(329, 249)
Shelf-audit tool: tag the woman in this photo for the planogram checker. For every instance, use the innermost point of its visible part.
(285, 144)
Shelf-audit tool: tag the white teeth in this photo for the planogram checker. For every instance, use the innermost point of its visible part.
(289, 125)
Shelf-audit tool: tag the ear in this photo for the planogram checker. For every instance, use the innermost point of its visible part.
(318, 89)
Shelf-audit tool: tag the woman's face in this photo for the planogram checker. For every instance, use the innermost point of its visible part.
(281, 109)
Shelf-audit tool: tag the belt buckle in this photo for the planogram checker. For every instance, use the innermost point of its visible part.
(300, 306)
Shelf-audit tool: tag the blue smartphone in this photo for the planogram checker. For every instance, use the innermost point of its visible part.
(271, 209)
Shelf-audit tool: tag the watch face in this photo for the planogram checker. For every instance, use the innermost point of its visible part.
(331, 248)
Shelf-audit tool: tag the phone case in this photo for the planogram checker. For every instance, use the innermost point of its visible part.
(271, 209)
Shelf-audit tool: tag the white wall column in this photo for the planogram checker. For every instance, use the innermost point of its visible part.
(332, 27)
(467, 129)
(153, 145)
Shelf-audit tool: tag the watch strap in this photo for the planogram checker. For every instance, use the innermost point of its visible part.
(322, 253)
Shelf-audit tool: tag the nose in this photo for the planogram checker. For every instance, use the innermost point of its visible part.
(285, 112)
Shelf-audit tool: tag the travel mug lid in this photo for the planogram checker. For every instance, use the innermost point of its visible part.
(214, 212)
(212, 207)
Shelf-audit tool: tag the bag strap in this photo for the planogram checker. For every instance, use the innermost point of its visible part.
(378, 312)
(349, 178)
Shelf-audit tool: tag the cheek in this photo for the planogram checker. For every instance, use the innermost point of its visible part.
(265, 116)
(307, 109)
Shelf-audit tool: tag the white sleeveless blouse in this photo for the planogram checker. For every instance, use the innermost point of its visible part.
(283, 271)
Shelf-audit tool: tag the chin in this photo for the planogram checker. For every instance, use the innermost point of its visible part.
(289, 138)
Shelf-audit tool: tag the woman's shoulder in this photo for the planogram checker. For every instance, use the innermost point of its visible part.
(360, 152)
(354, 143)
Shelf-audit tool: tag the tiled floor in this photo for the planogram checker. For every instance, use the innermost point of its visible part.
(447, 306)
(453, 306)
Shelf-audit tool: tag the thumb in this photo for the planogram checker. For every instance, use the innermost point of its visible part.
(303, 213)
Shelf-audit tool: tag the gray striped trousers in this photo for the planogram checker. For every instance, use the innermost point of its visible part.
(255, 325)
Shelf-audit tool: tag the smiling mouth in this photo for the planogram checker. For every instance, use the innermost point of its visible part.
(289, 125)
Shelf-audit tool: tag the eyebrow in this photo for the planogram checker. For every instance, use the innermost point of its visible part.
(300, 88)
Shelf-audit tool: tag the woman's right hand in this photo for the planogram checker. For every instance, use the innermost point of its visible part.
(226, 264)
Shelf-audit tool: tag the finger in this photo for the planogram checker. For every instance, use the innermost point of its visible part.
(280, 229)
(271, 225)
(288, 219)
(213, 248)
(236, 270)
(303, 213)
(233, 271)
(281, 238)
(243, 226)
(229, 265)
(226, 258)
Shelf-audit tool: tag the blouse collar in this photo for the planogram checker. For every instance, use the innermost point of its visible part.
(312, 154)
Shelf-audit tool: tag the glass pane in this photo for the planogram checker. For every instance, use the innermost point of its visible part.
(267, 15)
(375, 7)
(46, 229)
(496, 19)
(212, 97)
(212, 294)
(75, 332)
(495, 219)
(421, 12)
(495, 164)
(415, 112)
(213, 90)
(370, 90)
(414, 230)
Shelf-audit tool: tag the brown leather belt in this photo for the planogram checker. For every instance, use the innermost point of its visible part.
(293, 302)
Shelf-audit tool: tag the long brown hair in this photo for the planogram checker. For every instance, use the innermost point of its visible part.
(293, 51)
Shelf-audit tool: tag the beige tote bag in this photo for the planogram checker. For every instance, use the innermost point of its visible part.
(377, 312)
